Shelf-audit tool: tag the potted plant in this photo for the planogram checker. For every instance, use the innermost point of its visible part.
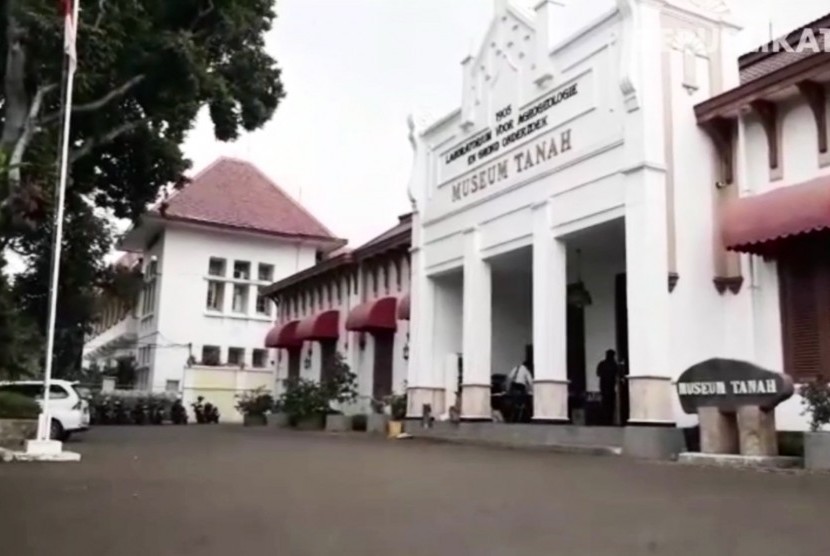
(339, 388)
(815, 396)
(18, 419)
(397, 414)
(378, 420)
(254, 406)
(308, 404)
(277, 416)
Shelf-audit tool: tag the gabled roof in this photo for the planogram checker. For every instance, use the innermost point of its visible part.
(233, 193)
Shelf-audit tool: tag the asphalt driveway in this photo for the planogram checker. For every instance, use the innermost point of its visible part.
(233, 491)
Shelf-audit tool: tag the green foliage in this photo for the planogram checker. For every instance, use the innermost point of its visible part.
(145, 70)
(303, 398)
(20, 341)
(255, 402)
(397, 406)
(816, 401)
(16, 406)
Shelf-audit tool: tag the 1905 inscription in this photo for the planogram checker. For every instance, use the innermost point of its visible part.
(510, 127)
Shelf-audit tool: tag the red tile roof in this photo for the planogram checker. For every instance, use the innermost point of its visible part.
(235, 194)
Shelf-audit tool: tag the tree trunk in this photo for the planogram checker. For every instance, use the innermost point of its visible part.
(17, 102)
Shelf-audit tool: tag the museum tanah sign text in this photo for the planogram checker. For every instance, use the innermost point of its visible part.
(521, 139)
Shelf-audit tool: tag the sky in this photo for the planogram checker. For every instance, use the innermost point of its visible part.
(354, 69)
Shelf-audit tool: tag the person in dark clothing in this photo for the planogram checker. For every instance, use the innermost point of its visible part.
(608, 372)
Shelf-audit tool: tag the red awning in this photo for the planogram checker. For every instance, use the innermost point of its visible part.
(373, 316)
(757, 224)
(322, 326)
(403, 308)
(284, 336)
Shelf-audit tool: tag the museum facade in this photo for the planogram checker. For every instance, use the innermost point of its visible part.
(591, 193)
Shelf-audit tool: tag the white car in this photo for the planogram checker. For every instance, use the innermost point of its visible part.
(70, 413)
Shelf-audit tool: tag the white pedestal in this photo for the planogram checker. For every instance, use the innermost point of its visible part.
(43, 447)
(46, 450)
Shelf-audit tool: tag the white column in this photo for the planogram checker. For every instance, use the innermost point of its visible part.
(477, 332)
(550, 361)
(650, 374)
(646, 231)
(424, 381)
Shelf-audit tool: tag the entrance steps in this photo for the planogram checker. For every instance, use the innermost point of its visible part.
(564, 439)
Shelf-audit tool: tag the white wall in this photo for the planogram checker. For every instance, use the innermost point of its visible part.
(449, 310)
(182, 315)
(360, 361)
(599, 275)
(512, 319)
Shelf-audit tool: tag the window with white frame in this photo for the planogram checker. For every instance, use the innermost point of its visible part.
(211, 356)
(215, 296)
(265, 272)
(259, 358)
(236, 356)
(263, 305)
(242, 270)
(240, 298)
(172, 386)
(148, 303)
(216, 267)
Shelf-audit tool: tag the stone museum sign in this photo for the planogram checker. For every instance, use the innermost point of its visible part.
(729, 384)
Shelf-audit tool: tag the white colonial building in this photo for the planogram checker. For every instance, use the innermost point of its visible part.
(205, 253)
(572, 204)
(356, 303)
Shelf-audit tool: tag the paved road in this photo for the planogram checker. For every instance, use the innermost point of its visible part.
(231, 491)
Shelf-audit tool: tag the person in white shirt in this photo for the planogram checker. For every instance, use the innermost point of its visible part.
(521, 374)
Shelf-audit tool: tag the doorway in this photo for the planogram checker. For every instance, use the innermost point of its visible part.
(382, 373)
(294, 356)
(578, 410)
(328, 350)
(621, 310)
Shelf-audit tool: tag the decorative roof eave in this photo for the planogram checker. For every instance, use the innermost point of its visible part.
(338, 263)
(730, 103)
(155, 220)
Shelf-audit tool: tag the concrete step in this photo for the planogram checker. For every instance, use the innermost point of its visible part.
(551, 448)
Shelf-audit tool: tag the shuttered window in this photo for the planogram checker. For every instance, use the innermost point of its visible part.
(804, 277)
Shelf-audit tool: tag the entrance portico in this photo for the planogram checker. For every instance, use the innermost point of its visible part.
(558, 172)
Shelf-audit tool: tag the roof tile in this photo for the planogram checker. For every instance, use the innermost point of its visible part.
(235, 193)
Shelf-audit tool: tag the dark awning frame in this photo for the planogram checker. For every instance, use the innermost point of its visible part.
(284, 336)
(378, 315)
(320, 327)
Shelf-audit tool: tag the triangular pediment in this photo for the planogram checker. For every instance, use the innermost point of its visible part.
(495, 73)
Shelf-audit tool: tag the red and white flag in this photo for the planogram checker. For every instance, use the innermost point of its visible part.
(69, 9)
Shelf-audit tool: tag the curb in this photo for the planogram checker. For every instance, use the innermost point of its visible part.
(549, 448)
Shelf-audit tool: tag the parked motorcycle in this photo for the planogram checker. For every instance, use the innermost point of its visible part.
(178, 414)
(120, 414)
(205, 412)
(211, 413)
(156, 412)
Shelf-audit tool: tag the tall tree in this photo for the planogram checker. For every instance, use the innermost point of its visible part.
(146, 68)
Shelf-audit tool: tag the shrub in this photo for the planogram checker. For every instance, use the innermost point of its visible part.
(16, 406)
(816, 401)
(303, 398)
(397, 406)
(255, 402)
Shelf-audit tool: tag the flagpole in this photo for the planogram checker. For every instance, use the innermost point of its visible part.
(44, 424)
